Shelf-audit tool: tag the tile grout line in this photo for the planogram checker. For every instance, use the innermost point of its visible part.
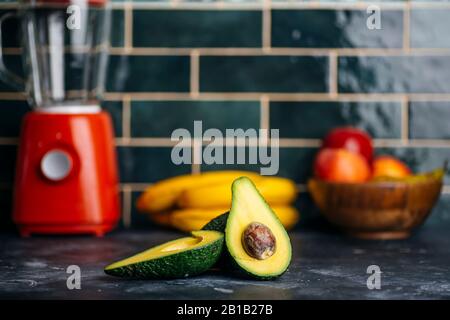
(407, 27)
(405, 120)
(126, 118)
(256, 96)
(126, 206)
(194, 80)
(265, 112)
(196, 153)
(333, 74)
(266, 26)
(299, 143)
(134, 186)
(226, 51)
(12, 50)
(301, 5)
(279, 51)
(139, 187)
(429, 143)
(284, 142)
(220, 5)
(264, 138)
(21, 96)
(128, 32)
(9, 141)
(143, 142)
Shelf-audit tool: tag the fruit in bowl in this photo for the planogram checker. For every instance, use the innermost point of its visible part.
(341, 165)
(388, 166)
(347, 155)
(372, 198)
(351, 139)
(382, 209)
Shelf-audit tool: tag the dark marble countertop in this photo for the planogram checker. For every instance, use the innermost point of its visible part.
(325, 266)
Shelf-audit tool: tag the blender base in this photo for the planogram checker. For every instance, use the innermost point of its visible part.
(66, 174)
(96, 230)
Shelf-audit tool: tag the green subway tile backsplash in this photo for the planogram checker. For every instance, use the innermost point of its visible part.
(74, 73)
(394, 74)
(296, 163)
(217, 28)
(5, 212)
(303, 69)
(429, 28)
(7, 163)
(148, 74)
(115, 110)
(300, 119)
(92, 16)
(146, 164)
(139, 220)
(14, 64)
(441, 212)
(232, 153)
(10, 39)
(429, 120)
(11, 113)
(263, 74)
(118, 31)
(329, 28)
(161, 118)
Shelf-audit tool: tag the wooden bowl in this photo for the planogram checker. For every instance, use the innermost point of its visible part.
(376, 210)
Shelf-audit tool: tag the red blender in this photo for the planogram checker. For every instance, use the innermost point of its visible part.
(66, 176)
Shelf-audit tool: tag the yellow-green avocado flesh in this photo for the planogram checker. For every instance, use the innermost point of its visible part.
(174, 259)
(248, 206)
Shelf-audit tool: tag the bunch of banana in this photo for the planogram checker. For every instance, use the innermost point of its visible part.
(188, 202)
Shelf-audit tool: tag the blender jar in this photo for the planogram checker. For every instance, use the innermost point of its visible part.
(65, 44)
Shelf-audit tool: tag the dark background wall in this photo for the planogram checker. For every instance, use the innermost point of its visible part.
(300, 66)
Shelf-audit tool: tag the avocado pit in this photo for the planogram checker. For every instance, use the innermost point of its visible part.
(258, 241)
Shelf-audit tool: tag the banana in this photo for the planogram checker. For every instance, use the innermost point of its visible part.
(289, 216)
(189, 225)
(194, 219)
(163, 194)
(276, 191)
(161, 218)
(436, 174)
(197, 214)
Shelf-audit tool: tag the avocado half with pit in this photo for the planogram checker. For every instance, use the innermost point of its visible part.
(256, 240)
(179, 258)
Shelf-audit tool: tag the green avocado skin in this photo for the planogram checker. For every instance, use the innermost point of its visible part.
(226, 261)
(217, 224)
(180, 265)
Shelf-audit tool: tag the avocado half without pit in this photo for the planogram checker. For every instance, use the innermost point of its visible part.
(256, 240)
(179, 258)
